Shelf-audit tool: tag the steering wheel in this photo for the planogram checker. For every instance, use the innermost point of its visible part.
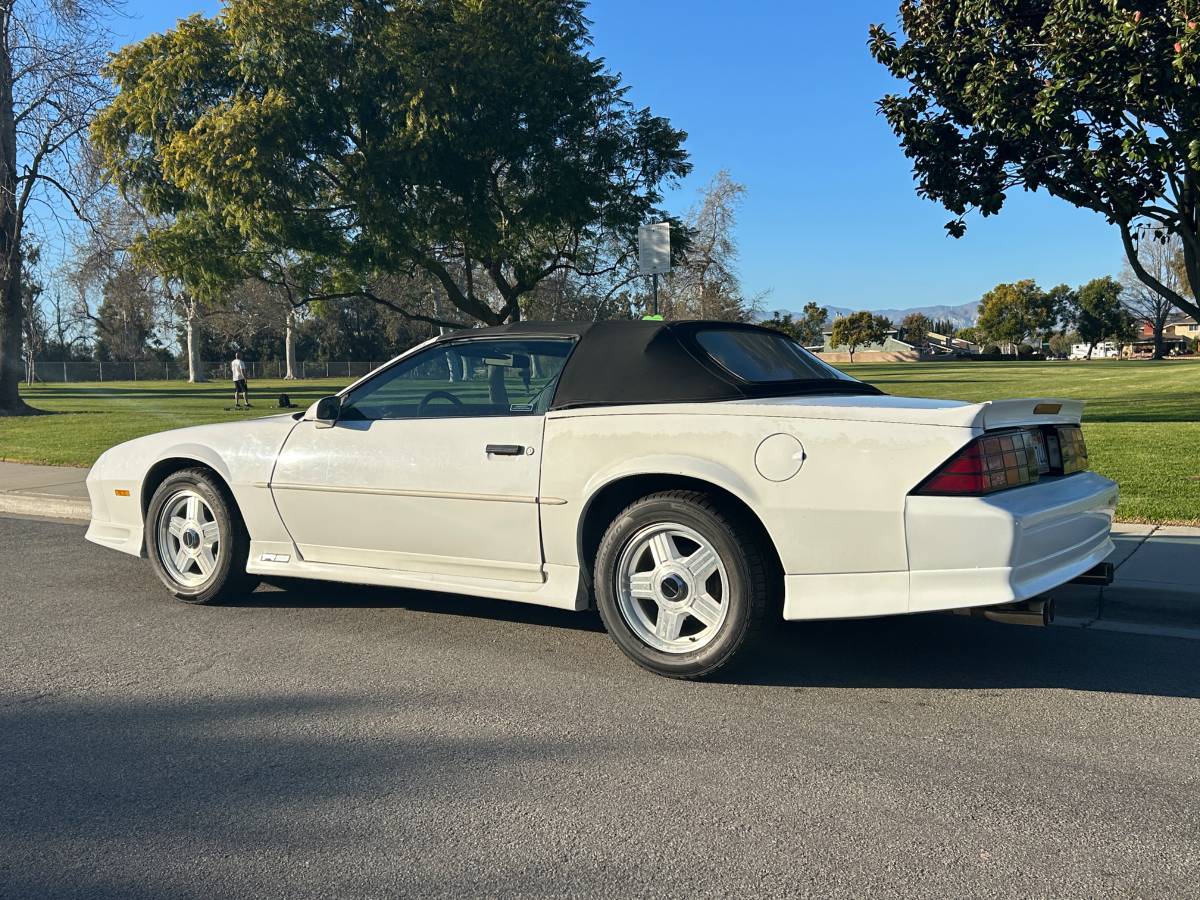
(437, 395)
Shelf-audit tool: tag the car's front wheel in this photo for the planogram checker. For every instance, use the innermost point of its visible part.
(195, 539)
(681, 584)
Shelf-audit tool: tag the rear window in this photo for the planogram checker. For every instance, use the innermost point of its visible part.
(764, 357)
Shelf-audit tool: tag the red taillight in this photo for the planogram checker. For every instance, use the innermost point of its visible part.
(990, 463)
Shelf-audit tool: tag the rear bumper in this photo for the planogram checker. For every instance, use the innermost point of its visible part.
(1012, 546)
(975, 551)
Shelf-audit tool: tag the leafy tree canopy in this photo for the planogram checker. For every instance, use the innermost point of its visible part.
(438, 136)
(971, 333)
(1095, 101)
(1099, 314)
(807, 329)
(1017, 312)
(859, 329)
(915, 328)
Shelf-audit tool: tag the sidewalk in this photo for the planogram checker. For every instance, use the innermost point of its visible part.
(1157, 566)
(1157, 576)
(55, 491)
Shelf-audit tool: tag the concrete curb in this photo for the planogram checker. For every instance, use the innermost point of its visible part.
(49, 506)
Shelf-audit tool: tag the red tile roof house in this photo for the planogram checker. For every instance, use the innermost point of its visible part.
(1178, 335)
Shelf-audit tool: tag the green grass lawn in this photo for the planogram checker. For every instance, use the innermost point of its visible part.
(90, 417)
(1142, 419)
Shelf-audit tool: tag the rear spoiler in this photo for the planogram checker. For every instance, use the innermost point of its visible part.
(1034, 411)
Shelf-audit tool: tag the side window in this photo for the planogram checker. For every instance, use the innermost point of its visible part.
(464, 379)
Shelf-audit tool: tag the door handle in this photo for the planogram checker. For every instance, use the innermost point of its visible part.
(505, 450)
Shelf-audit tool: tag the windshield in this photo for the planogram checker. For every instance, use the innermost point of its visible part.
(764, 357)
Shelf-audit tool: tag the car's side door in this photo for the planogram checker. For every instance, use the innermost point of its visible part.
(432, 466)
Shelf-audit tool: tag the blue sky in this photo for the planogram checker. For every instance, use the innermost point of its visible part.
(782, 95)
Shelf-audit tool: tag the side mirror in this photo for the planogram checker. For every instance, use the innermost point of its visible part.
(325, 411)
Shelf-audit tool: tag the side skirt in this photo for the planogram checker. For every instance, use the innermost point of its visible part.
(559, 590)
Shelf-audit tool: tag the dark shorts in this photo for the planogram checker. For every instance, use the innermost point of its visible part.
(240, 385)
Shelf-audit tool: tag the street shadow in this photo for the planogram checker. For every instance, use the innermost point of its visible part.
(942, 651)
(132, 798)
(930, 651)
(296, 593)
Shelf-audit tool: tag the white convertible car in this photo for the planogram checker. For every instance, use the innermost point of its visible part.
(694, 481)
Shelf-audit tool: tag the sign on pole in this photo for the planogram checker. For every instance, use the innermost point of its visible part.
(654, 248)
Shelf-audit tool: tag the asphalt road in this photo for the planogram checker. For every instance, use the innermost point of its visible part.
(335, 741)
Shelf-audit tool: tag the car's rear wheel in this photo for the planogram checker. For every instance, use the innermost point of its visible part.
(195, 539)
(681, 584)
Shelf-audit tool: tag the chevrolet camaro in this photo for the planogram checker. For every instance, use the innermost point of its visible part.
(693, 481)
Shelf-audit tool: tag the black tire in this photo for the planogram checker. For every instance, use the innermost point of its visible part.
(739, 547)
(228, 579)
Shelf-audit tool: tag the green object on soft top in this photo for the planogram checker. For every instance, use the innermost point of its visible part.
(652, 318)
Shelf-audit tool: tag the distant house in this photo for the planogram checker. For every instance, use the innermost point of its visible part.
(944, 345)
(1182, 326)
(890, 344)
(1173, 345)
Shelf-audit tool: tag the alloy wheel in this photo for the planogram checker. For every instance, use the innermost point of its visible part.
(189, 538)
(672, 588)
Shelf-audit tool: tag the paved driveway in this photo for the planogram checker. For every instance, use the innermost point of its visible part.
(338, 742)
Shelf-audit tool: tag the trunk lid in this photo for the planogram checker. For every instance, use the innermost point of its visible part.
(987, 416)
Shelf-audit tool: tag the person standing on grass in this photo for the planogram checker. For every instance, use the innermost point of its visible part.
(238, 369)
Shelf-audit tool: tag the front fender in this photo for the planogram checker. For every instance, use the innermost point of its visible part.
(192, 452)
(241, 454)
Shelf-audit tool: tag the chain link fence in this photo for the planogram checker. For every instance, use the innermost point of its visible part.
(156, 370)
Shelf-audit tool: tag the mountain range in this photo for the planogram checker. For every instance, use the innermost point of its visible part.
(962, 316)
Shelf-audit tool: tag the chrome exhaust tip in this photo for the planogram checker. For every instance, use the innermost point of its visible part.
(1038, 613)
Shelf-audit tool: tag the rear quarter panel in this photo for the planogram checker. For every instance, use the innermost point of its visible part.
(843, 512)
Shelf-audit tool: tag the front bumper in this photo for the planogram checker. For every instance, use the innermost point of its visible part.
(116, 521)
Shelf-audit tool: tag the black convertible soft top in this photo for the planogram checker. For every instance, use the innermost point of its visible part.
(626, 362)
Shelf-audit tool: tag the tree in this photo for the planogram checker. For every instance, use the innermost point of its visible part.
(389, 138)
(859, 329)
(915, 328)
(808, 330)
(117, 245)
(1010, 314)
(66, 329)
(1061, 343)
(811, 327)
(971, 334)
(50, 54)
(127, 320)
(1163, 259)
(785, 323)
(1099, 315)
(705, 283)
(34, 322)
(1096, 103)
